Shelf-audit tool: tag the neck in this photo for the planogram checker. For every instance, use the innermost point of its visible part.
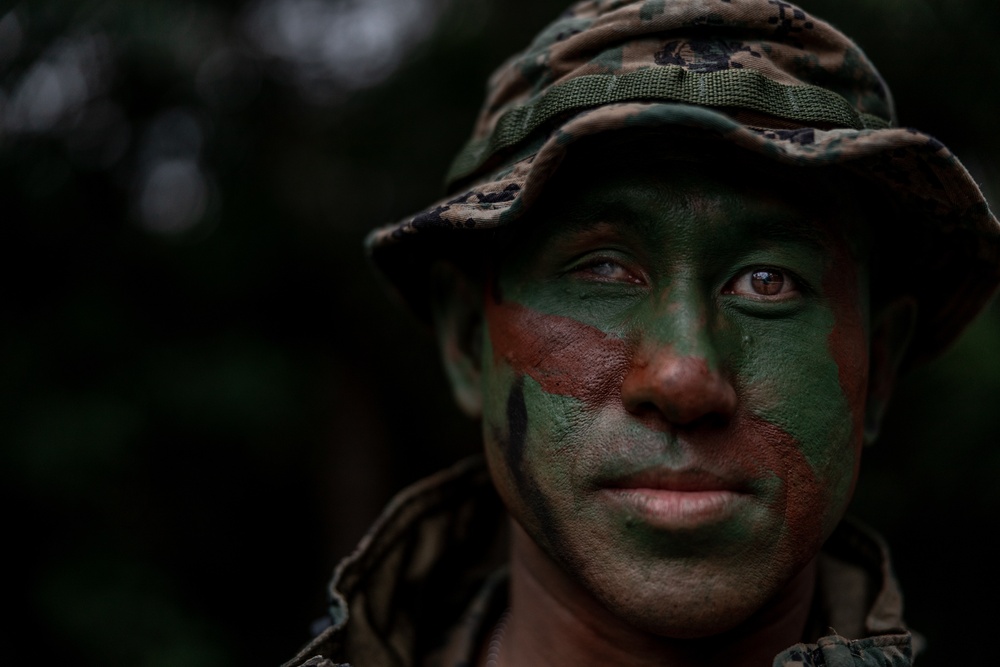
(554, 621)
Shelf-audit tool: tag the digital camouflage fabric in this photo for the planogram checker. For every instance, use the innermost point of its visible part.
(759, 76)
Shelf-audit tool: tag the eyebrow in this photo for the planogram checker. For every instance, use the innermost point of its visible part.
(803, 230)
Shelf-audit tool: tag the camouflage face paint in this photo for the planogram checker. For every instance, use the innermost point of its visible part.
(564, 356)
(527, 488)
(672, 438)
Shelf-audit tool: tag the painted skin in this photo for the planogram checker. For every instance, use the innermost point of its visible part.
(675, 366)
(674, 373)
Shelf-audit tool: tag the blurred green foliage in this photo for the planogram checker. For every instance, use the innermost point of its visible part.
(207, 394)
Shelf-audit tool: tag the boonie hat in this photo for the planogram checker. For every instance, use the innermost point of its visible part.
(759, 75)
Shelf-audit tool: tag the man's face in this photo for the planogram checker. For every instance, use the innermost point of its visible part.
(674, 379)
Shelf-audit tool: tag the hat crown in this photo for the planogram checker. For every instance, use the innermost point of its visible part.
(765, 62)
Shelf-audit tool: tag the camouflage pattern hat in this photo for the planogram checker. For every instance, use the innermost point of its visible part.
(759, 75)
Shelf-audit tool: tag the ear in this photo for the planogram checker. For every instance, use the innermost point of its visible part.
(891, 334)
(457, 309)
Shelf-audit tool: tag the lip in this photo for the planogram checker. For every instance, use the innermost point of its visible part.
(677, 499)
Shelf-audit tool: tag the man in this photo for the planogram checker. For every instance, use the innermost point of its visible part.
(685, 258)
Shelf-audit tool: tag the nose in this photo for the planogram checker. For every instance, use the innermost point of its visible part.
(680, 389)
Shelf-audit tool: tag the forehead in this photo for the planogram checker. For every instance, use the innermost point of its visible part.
(718, 197)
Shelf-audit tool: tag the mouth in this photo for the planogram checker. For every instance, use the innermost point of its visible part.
(677, 499)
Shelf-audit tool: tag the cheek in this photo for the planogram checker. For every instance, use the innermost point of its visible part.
(786, 376)
(848, 342)
(767, 448)
(807, 379)
(548, 357)
(524, 431)
(850, 351)
(564, 356)
(545, 377)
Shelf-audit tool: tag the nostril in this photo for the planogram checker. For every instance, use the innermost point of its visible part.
(643, 410)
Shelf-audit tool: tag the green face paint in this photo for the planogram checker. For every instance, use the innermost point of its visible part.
(674, 378)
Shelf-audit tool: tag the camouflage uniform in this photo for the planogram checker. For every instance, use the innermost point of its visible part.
(758, 76)
(426, 584)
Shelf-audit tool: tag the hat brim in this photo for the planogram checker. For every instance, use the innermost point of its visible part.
(952, 238)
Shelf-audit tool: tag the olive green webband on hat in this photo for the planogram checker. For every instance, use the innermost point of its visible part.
(759, 75)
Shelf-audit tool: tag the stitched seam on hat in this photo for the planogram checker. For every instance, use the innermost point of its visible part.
(873, 122)
(729, 88)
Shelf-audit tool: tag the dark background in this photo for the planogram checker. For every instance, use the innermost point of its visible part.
(206, 394)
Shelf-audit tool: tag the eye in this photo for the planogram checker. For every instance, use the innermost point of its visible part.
(763, 282)
(608, 270)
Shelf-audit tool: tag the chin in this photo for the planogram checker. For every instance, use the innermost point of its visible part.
(681, 601)
(681, 616)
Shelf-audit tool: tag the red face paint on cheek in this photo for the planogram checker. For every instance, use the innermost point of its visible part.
(762, 447)
(848, 340)
(564, 356)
